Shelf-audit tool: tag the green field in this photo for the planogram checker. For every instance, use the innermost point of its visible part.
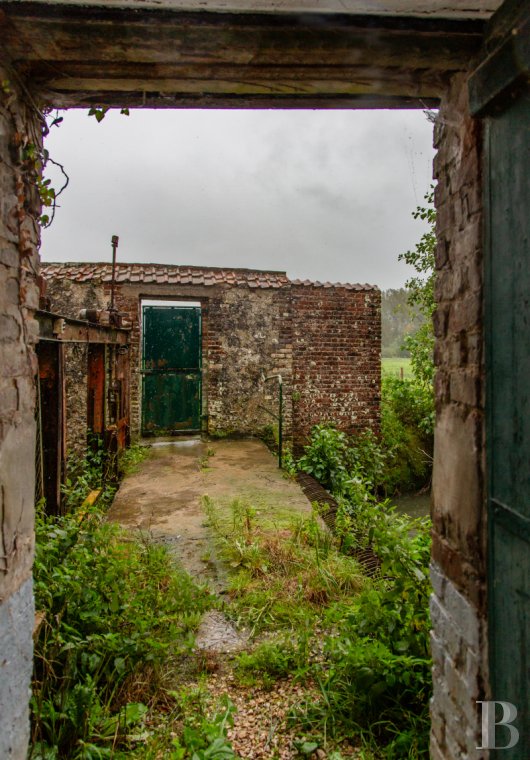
(393, 366)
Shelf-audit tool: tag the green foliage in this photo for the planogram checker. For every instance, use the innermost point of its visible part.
(377, 680)
(281, 572)
(398, 461)
(407, 425)
(192, 729)
(328, 458)
(274, 659)
(420, 344)
(99, 112)
(131, 458)
(88, 475)
(373, 667)
(203, 737)
(114, 610)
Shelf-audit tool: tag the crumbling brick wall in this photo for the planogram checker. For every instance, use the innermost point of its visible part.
(323, 340)
(459, 639)
(20, 142)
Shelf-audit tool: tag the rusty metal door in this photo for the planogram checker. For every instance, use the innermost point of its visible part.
(171, 370)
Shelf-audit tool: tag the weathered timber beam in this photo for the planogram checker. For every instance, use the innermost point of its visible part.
(79, 56)
(53, 327)
(224, 101)
(240, 80)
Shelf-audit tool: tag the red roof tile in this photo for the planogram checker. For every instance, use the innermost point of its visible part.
(181, 275)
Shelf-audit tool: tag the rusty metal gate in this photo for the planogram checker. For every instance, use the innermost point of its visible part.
(171, 370)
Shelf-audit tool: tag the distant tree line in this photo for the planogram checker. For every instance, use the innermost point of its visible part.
(398, 320)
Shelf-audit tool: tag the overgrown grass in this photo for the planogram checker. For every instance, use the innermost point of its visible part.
(284, 569)
(376, 682)
(119, 621)
(115, 614)
(317, 618)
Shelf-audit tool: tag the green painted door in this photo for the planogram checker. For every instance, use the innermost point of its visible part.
(508, 410)
(171, 370)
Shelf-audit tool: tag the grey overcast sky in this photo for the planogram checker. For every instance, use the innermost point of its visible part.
(324, 195)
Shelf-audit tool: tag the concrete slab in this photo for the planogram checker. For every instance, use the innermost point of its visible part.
(164, 496)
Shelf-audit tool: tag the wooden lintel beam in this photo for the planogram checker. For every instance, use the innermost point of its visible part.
(79, 56)
(253, 81)
(61, 329)
(224, 101)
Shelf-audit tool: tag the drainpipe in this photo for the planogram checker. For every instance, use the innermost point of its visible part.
(280, 415)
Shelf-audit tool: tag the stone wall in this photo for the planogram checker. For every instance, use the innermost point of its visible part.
(459, 640)
(20, 141)
(324, 341)
(247, 341)
(69, 300)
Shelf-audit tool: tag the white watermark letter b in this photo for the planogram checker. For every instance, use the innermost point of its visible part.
(489, 724)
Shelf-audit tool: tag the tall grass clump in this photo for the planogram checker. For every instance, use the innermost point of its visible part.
(283, 570)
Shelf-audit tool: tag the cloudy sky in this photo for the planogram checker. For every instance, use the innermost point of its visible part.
(324, 195)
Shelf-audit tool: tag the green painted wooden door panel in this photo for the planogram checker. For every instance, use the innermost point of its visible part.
(171, 387)
(508, 410)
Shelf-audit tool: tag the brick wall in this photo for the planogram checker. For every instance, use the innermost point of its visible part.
(336, 359)
(324, 341)
(20, 129)
(459, 640)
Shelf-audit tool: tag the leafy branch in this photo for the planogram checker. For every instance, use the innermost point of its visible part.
(421, 293)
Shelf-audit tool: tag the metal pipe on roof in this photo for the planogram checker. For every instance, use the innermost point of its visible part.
(114, 243)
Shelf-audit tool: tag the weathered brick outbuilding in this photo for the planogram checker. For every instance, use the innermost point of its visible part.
(322, 338)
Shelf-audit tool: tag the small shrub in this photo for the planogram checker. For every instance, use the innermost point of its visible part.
(329, 459)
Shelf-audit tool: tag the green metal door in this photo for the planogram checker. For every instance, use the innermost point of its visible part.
(171, 387)
(508, 412)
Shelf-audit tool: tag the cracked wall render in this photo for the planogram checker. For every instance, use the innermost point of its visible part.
(20, 129)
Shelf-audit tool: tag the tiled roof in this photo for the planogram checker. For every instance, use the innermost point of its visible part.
(180, 275)
(345, 285)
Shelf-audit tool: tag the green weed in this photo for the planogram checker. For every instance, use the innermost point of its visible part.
(274, 659)
(115, 609)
